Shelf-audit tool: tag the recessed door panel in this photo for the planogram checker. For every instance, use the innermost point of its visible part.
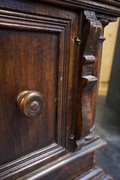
(28, 61)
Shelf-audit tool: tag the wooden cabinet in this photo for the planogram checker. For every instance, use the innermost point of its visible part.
(49, 71)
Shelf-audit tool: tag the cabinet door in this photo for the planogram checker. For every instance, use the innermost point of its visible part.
(28, 61)
(35, 57)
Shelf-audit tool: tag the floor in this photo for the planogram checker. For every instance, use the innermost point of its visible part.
(108, 127)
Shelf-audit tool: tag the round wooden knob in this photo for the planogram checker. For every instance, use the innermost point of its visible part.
(30, 103)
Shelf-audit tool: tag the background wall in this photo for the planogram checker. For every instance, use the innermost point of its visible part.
(109, 44)
(113, 95)
(108, 107)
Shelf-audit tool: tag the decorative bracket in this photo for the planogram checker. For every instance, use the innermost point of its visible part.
(91, 32)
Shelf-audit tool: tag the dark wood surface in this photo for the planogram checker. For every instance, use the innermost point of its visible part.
(49, 72)
(111, 7)
(22, 69)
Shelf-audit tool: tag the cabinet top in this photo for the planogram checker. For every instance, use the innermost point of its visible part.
(107, 7)
(111, 7)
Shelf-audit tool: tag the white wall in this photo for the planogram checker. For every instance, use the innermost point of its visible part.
(108, 54)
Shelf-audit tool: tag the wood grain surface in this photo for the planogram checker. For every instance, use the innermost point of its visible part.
(53, 48)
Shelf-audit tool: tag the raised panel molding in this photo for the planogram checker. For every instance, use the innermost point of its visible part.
(32, 22)
(22, 21)
(31, 161)
(17, 20)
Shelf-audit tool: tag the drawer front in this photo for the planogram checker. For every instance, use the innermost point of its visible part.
(35, 56)
(28, 61)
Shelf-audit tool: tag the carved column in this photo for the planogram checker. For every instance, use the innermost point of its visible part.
(92, 37)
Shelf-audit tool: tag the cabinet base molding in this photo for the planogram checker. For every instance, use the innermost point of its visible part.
(69, 166)
(95, 174)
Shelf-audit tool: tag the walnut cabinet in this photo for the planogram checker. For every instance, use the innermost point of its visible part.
(50, 56)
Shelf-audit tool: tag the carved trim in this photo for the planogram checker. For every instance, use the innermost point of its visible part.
(95, 173)
(32, 22)
(30, 161)
(104, 6)
(105, 20)
(111, 7)
(91, 32)
(66, 161)
(89, 81)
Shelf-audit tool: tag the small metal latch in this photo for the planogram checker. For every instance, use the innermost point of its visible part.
(77, 40)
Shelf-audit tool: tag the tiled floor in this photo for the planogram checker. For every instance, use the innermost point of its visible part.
(108, 127)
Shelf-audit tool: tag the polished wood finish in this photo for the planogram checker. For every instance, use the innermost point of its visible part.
(30, 103)
(49, 72)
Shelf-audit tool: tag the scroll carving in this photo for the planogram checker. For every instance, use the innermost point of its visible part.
(91, 32)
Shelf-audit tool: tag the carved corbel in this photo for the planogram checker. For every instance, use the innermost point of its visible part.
(91, 32)
(105, 20)
(90, 41)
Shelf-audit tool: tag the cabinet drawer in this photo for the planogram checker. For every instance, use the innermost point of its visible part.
(28, 61)
(35, 56)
